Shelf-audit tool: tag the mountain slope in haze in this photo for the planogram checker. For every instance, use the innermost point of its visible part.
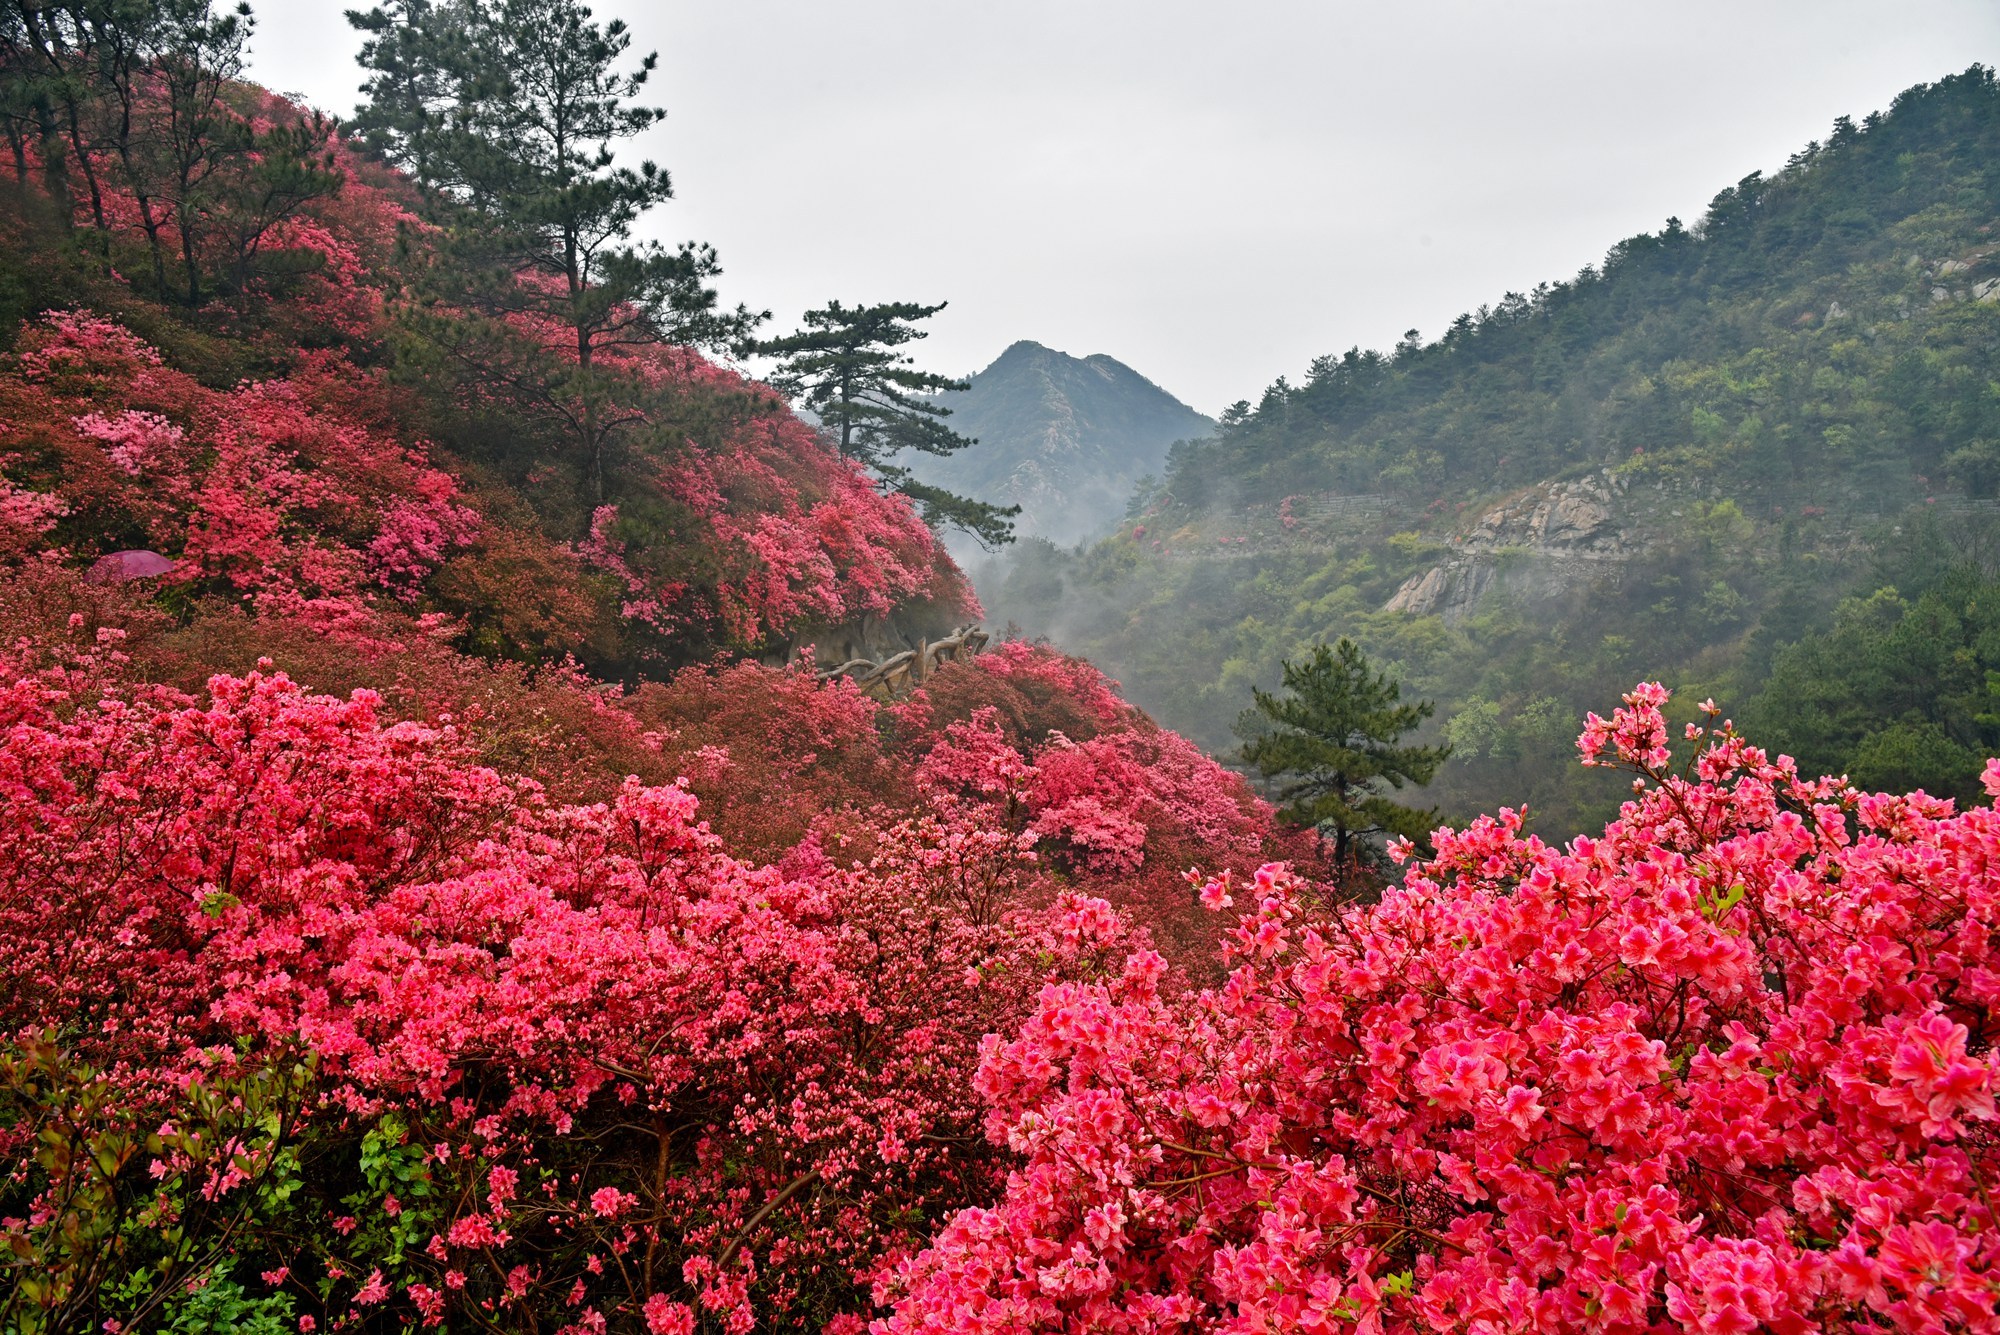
(1065, 438)
(1673, 465)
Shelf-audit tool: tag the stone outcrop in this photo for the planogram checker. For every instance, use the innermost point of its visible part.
(1451, 590)
(874, 637)
(1538, 545)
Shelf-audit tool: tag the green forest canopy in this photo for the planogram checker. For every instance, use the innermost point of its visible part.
(1778, 404)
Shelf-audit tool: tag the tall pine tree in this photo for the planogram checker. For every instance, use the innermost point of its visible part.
(507, 113)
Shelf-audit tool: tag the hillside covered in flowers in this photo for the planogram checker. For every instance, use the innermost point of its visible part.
(438, 889)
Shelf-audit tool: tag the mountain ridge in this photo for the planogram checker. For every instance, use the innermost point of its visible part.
(1066, 438)
(1675, 464)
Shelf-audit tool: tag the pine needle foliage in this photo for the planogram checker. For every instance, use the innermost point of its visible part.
(1329, 742)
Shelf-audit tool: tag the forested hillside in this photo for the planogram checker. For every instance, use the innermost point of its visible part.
(1677, 462)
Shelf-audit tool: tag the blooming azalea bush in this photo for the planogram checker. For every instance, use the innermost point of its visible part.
(516, 1061)
(1728, 1067)
(1097, 801)
(777, 756)
(780, 758)
(790, 535)
(273, 492)
(1038, 744)
(293, 495)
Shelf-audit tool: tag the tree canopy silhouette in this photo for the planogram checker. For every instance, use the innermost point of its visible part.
(844, 366)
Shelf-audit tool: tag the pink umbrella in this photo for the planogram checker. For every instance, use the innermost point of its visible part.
(119, 567)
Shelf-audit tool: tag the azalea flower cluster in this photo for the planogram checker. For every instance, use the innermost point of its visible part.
(1039, 746)
(1729, 1067)
(789, 534)
(273, 492)
(570, 1063)
(1097, 801)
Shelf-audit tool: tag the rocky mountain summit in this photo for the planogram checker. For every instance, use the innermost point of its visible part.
(1065, 438)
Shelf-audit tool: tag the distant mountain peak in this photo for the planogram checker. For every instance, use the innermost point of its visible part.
(1065, 438)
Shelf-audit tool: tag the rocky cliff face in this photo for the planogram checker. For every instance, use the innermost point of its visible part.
(1065, 438)
(1536, 546)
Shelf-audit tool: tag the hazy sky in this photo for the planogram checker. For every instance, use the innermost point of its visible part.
(1213, 193)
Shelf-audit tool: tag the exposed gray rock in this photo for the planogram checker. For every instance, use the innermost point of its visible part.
(1452, 590)
(1570, 520)
(1545, 544)
(873, 637)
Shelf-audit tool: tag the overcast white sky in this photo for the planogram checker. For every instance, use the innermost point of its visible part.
(1212, 193)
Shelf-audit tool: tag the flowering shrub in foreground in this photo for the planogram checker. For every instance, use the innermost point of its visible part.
(522, 1065)
(1729, 1067)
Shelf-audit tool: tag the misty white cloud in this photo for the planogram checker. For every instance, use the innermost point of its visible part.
(1212, 193)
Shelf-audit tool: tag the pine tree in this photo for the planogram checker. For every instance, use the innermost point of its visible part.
(1329, 741)
(845, 368)
(507, 112)
(417, 58)
(140, 97)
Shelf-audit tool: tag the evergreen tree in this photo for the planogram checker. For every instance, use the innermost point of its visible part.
(1330, 743)
(39, 94)
(417, 58)
(201, 54)
(845, 367)
(506, 111)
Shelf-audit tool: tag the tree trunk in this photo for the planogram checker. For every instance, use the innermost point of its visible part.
(596, 450)
(148, 220)
(89, 173)
(20, 151)
(55, 170)
(846, 420)
(152, 226)
(592, 437)
(188, 260)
